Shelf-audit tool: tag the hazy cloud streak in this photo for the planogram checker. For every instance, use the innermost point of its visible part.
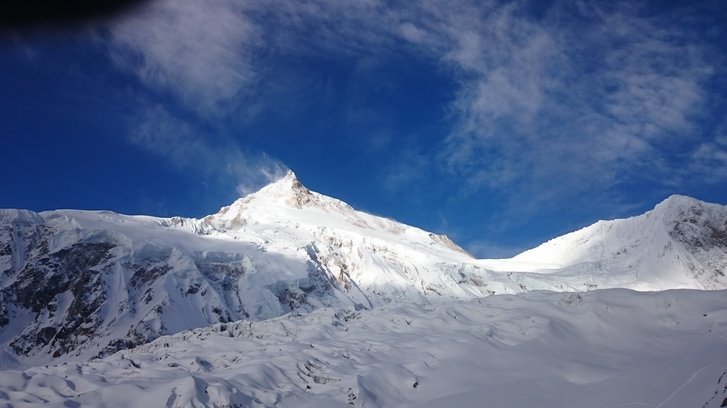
(161, 133)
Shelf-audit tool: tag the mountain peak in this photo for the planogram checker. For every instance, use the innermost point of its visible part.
(676, 205)
(287, 188)
(288, 180)
(679, 200)
(290, 175)
(286, 192)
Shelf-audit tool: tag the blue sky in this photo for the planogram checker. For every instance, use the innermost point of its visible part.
(501, 124)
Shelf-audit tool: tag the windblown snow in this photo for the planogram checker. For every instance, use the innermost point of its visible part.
(299, 300)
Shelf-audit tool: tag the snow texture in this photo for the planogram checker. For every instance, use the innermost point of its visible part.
(374, 312)
(607, 348)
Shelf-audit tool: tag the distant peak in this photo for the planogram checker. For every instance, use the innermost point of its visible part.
(677, 201)
(679, 208)
(288, 181)
(289, 176)
(680, 198)
(287, 188)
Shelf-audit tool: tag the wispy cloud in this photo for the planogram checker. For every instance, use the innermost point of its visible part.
(552, 110)
(551, 106)
(214, 156)
(200, 50)
(708, 161)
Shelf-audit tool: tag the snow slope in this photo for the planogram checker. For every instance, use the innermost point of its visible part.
(607, 348)
(682, 243)
(77, 284)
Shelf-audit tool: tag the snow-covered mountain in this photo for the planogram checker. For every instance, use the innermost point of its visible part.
(75, 284)
(681, 243)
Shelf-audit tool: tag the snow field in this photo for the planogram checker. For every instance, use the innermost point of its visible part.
(607, 348)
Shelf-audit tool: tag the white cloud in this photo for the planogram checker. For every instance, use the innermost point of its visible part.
(202, 50)
(188, 148)
(412, 33)
(549, 107)
(552, 111)
(707, 162)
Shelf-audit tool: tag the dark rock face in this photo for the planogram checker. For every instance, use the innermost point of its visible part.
(72, 276)
(93, 292)
(703, 234)
(698, 230)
